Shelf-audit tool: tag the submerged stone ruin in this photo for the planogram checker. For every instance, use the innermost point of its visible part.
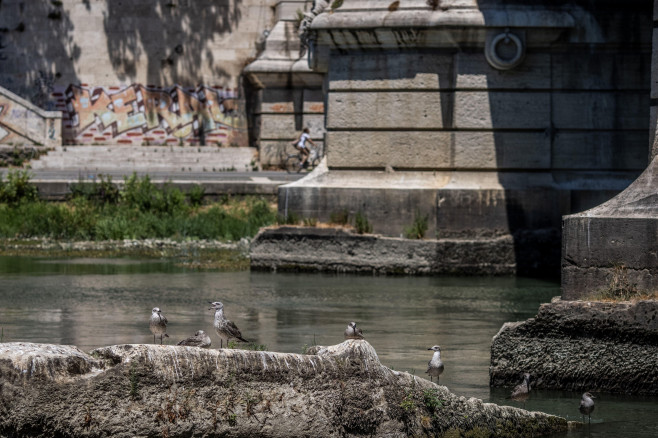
(581, 346)
(153, 390)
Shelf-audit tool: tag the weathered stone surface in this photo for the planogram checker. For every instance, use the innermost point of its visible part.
(581, 346)
(153, 390)
(439, 149)
(21, 122)
(620, 232)
(340, 250)
(433, 110)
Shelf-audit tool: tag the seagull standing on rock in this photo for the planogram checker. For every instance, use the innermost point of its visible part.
(435, 365)
(225, 329)
(158, 324)
(351, 332)
(200, 339)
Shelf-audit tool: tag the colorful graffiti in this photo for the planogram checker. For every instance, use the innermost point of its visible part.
(139, 114)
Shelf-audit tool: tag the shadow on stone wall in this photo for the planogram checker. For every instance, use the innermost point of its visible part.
(577, 113)
(173, 36)
(40, 28)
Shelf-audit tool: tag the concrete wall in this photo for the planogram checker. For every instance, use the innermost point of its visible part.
(121, 46)
(152, 115)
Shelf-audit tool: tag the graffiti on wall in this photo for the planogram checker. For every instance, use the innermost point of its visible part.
(138, 114)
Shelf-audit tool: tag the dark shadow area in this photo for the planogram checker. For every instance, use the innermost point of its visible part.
(37, 51)
(171, 35)
(595, 140)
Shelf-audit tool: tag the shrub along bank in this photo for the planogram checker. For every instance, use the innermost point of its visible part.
(138, 209)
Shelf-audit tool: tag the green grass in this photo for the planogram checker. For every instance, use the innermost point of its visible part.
(139, 210)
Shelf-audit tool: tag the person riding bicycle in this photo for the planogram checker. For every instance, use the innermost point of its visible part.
(300, 144)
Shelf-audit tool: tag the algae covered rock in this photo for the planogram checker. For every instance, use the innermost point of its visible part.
(162, 390)
(581, 346)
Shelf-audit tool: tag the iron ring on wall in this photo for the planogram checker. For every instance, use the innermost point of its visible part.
(490, 51)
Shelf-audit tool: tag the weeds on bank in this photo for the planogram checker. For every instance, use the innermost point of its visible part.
(418, 228)
(139, 210)
(361, 224)
(620, 287)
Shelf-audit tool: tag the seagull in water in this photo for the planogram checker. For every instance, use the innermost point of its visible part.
(351, 332)
(200, 339)
(158, 324)
(435, 365)
(587, 406)
(521, 392)
(225, 329)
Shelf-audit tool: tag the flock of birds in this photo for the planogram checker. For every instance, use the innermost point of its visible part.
(227, 330)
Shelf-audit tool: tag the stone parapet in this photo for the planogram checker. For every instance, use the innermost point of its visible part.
(23, 123)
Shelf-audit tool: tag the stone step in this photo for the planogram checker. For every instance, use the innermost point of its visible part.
(147, 158)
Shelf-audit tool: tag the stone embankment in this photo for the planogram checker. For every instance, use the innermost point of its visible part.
(581, 346)
(169, 391)
(340, 250)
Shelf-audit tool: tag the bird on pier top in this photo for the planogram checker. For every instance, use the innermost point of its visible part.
(224, 328)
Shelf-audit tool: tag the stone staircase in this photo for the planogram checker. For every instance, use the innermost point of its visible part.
(148, 158)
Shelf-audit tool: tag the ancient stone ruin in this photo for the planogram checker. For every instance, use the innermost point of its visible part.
(171, 391)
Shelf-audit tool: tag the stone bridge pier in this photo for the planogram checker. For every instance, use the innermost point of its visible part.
(615, 245)
(488, 119)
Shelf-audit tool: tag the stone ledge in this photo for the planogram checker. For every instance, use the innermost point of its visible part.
(341, 250)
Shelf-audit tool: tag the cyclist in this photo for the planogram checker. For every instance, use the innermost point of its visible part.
(300, 144)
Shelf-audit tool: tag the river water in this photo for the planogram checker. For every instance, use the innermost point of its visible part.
(92, 303)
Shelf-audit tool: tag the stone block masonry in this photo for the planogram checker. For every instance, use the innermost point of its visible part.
(618, 240)
(477, 115)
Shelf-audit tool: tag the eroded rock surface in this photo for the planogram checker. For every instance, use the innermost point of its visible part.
(154, 390)
(581, 346)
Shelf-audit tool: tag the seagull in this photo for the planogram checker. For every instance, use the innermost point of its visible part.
(435, 365)
(224, 328)
(521, 392)
(587, 406)
(200, 339)
(158, 324)
(351, 332)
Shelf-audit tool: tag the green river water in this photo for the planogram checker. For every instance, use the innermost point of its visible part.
(93, 302)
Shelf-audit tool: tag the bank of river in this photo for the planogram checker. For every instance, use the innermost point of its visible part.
(192, 254)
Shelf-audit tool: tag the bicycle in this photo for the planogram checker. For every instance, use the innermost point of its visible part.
(292, 163)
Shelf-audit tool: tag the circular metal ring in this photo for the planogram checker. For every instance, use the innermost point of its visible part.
(490, 52)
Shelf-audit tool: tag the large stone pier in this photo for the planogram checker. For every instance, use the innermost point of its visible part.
(488, 118)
